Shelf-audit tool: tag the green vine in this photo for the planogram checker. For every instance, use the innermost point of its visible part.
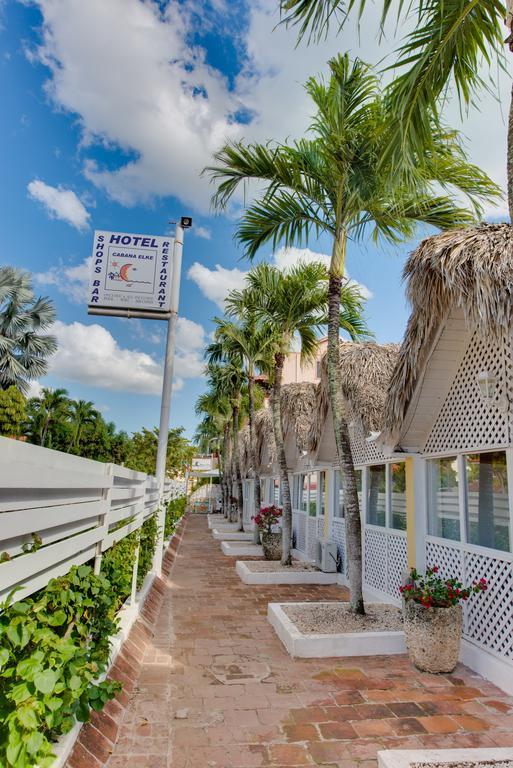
(175, 510)
(148, 541)
(54, 646)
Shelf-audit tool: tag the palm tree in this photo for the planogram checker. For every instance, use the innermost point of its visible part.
(292, 304)
(51, 407)
(330, 183)
(450, 42)
(82, 412)
(252, 343)
(230, 380)
(217, 423)
(24, 347)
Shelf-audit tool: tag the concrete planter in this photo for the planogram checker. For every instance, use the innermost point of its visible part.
(271, 544)
(433, 636)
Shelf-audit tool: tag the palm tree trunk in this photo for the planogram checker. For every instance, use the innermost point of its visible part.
(509, 162)
(286, 556)
(229, 467)
(345, 457)
(44, 431)
(226, 469)
(238, 473)
(256, 473)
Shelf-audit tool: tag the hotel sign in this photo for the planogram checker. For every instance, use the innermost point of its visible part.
(130, 272)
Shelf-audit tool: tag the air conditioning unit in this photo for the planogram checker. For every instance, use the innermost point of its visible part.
(327, 555)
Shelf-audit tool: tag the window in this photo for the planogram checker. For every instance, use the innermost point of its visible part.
(303, 505)
(444, 507)
(339, 494)
(322, 493)
(276, 491)
(398, 497)
(312, 494)
(487, 500)
(376, 495)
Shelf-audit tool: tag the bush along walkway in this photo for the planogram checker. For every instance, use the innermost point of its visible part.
(208, 685)
(96, 740)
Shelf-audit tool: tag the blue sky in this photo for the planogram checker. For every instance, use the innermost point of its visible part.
(110, 108)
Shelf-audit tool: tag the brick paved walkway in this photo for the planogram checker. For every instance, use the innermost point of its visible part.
(194, 706)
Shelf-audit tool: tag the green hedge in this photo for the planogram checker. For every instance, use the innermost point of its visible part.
(54, 645)
(175, 510)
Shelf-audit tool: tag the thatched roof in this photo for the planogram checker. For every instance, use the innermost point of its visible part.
(244, 448)
(298, 412)
(365, 371)
(471, 269)
(264, 434)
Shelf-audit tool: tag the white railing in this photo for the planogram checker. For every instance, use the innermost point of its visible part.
(58, 510)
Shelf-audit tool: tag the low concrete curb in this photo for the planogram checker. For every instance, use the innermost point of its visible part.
(323, 646)
(238, 548)
(221, 535)
(403, 758)
(283, 577)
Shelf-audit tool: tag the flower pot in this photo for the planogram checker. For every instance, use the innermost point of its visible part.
(271, 544)
(433, 636)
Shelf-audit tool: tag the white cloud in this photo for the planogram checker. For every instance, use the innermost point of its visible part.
(60, 203)
(216, 283)
(203, 232)
(35, 389)
(90, 354)
(177, 109)
(72, 281)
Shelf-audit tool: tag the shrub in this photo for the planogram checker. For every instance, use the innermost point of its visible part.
(433, 591)
(117, 567)
(175, 510)
(54, 646)
(267, 518)
(148, 539)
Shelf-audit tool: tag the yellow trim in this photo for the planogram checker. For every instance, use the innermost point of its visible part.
(410, 511)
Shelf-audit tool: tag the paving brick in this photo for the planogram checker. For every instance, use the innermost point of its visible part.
(332, 712)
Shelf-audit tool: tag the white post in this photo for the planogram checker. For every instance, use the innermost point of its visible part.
(135, 568)
(167, 387)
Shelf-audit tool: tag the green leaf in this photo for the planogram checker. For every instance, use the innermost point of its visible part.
(28, 718)
(74, 682)
(20, 693)
(57, 619)
(27, 668)
(4, 657)
(45, 681)
(53, 703)
(34, 742)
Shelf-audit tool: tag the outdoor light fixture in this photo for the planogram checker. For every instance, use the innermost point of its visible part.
(186, 222)
(487, 384)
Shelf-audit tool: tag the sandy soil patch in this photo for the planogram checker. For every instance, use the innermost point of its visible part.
(335, 618)
(275, 565)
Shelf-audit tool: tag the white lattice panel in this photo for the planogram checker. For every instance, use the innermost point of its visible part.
(363, 452)
(489, 615)
(320, 527)
(338, 534)
(467, 420)
(311, 549)
(300, 531)
(397, 562)
(375, 559)
(449, 559)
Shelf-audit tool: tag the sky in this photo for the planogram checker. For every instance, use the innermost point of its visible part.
(110, 110)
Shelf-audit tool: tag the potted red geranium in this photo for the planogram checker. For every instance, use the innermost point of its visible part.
(433, 618)
(265, 521)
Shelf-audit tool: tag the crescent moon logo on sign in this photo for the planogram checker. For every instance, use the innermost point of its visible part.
(123, 272)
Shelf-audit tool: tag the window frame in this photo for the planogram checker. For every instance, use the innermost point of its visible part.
(462, 542)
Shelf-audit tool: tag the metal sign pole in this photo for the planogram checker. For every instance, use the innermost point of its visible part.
(167, 386)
